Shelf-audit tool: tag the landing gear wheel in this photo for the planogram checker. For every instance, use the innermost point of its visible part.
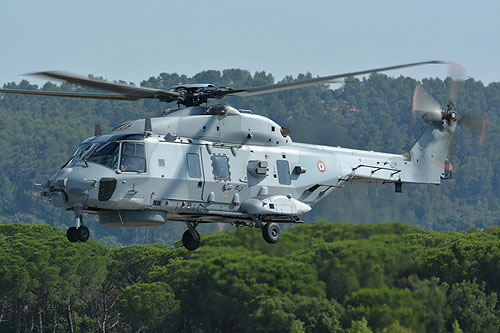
(191, 240)
(271, 232)
(83, 233)
(72, 234)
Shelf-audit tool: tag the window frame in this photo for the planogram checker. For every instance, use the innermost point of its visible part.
(94, 147)
(216, 176)
(190, 166)
(135, 143)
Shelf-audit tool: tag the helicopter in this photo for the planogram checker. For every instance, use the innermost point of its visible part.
(215, 163)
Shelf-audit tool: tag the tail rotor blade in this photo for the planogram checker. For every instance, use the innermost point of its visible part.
(485, 128)
(476, 126)
(425, 105)
(456, 73)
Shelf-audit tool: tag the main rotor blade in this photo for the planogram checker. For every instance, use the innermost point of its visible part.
(426, 105)
(69, 94)
(319, 80)
(120, 88)
(278, 87)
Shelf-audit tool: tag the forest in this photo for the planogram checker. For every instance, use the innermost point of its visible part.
(321, 277)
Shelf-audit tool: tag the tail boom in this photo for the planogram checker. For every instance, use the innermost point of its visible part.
(424, 163)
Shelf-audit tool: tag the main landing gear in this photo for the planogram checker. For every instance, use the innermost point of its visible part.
(270, 231)
(191, 238)
(80, 232)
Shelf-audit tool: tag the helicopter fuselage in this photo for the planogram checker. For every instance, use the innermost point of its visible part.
(217, 164)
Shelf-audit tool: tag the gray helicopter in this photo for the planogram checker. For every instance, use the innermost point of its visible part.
(204, 164)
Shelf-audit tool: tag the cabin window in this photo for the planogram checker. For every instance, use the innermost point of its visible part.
(283, 172)
(133, 157)
(221, 167)
(194, 169)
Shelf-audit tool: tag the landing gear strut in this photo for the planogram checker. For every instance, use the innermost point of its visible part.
(191, 238)
(80, 232)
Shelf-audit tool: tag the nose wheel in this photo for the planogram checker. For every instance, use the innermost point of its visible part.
(75, 234)
(72, 234)
(191, 238)
(83, 233)
(80, 232)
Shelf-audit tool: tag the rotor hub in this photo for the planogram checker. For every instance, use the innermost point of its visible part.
(451, 113)
(451, 116)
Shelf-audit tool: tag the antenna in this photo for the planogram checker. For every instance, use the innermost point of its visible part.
(98, 130)
(148, 128)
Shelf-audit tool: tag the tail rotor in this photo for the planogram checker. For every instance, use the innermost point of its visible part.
(425, 106)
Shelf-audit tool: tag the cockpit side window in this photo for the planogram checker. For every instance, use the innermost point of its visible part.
(105, 153)
(133, 157)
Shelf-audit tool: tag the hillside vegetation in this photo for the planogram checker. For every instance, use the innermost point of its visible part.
(37, 134)
(321, 277)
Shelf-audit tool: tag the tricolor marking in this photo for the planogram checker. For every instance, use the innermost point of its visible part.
(321, 166)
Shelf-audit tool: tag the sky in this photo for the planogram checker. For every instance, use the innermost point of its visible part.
(134, 40)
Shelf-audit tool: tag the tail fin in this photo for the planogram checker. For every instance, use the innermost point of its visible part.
(429, 153)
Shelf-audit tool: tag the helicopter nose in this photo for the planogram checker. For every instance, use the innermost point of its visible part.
(58, 198)
(69, 187)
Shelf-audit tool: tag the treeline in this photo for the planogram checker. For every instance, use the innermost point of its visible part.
(321, 277)
(37, 134)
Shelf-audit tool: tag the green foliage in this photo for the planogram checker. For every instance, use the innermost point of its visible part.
(385, 306)
(474, 309)
(360, 326)
(290, 312)
(40, 269)
(236, 282)
(455, 327)
(208, 281)
(149, 307)
(397, 328)
(432, 295)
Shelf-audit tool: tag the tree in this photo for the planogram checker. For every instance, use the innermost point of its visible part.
(149, 307)
(432, 295)
(384, 306)
(283, 313)
(474, 310)
(360, 326)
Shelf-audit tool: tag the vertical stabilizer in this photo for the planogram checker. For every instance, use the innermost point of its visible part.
(430, 151)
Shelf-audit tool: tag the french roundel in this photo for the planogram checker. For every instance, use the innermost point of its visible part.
(321, 166)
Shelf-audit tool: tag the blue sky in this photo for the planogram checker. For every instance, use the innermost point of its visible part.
(133, 40)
